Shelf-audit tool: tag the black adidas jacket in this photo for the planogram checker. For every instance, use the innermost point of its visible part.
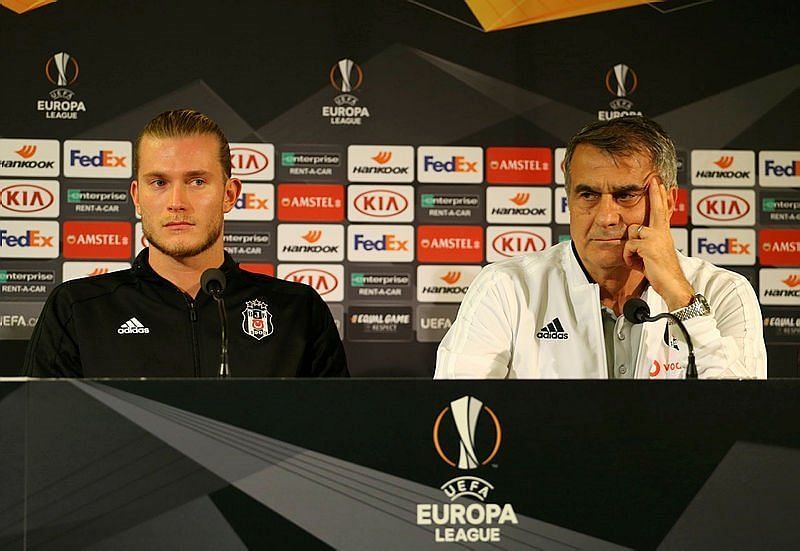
(134, 323)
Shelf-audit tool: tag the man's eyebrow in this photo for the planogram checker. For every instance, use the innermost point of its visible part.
(193, 173)
(153, 175)
(189, 174)
(623, 188)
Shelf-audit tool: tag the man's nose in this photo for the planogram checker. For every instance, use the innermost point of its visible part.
(177, 198)
(607, 213)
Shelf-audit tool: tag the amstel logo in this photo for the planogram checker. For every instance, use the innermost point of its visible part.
(465, 413)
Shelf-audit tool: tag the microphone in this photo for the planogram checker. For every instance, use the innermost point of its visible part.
(637, 311)
(213, 284)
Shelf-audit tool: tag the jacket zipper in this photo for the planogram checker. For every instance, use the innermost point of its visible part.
(195, 344)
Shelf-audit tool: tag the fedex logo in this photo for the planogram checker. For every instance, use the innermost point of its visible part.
(368, 243)
(562, 206)
(455, 164)
(96, 159)
(26, 239)
(730, 245)
(779, 168)
(734, 247)
(31, 238)
(387, 242)
(772, 168)
(105, 157)
(450, 164)
(254, 203)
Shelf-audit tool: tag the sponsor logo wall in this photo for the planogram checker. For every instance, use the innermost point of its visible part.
(389, 234)
(370, 210)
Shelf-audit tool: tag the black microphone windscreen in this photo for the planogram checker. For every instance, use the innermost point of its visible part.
(213, 281)
(636, 310)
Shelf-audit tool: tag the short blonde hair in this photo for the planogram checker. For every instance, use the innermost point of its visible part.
(179, 123)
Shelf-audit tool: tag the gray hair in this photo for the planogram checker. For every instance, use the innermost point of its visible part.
(626, 136)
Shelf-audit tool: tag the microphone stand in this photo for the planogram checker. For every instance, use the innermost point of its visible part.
(224, 369)
(637, 311)
(691, 368)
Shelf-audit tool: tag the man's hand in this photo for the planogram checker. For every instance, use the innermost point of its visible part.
(650, 250)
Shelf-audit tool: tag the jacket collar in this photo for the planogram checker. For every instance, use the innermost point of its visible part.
(141, 266)
(579, 262)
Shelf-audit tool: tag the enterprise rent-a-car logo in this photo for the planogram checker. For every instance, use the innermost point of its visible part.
(467, 436)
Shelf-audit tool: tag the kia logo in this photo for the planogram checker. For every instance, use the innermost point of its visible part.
(25, 198)
(516, 242)
(723, 207)
(380, 203)
(321, 281)
(246, 161)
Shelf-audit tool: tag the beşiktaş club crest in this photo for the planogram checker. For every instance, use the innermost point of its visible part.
(256, 319)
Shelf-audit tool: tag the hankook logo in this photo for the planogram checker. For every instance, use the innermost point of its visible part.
(26, 151)
(451, 277)
(465, 413)
(312, 236)
(724, 162)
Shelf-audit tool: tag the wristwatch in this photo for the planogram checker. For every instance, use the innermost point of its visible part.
(698, 306)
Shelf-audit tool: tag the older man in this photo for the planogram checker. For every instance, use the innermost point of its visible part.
(557, 313)
(152, 320)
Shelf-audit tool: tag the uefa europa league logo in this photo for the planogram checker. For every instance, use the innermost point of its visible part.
(466, 412)
(346, 76)
(621, 81)
(62, 70)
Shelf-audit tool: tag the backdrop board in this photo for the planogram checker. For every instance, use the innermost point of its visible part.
(399, 464)
(390, 149)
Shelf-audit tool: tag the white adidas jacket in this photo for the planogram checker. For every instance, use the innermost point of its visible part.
(494, 335)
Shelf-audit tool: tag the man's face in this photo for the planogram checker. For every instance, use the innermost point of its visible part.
(605, 196)
(182, 193)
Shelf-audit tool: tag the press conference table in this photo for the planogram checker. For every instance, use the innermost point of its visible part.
(398, 464)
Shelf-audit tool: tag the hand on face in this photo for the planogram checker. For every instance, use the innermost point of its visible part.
(651, 250)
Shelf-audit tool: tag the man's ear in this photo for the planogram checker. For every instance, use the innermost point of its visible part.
(135, 196)
(233, 187)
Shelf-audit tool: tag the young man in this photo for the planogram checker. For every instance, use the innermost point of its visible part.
(557, 313)
(153, 320)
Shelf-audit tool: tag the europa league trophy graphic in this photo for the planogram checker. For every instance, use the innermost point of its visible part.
(62, 70)
(465, 413)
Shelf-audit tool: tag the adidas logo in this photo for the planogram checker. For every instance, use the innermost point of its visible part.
(132, 326)
(553, 330)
